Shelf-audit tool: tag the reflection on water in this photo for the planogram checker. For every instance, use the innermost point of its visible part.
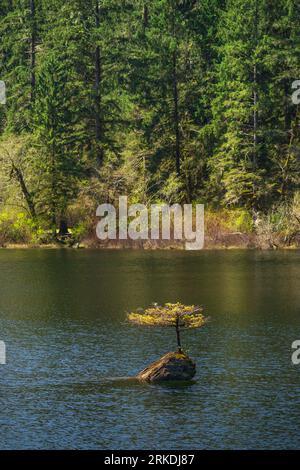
(70, 353)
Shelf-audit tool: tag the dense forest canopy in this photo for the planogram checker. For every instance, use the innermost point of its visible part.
(162, 100)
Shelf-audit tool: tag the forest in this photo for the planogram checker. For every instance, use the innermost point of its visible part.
(177, 101)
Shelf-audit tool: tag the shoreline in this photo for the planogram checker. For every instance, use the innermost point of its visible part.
(141, 247)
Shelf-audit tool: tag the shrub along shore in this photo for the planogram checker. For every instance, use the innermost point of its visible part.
(225, 228)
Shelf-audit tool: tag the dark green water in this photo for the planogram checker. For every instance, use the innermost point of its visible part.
(62, 317)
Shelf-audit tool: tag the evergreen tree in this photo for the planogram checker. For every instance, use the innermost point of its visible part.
(58, 135)
(236, 164)
(170, 75)
(19, 31)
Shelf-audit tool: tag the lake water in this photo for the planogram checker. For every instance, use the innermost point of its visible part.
(62, 317)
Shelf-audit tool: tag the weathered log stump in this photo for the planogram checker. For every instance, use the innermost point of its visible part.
(173, 366)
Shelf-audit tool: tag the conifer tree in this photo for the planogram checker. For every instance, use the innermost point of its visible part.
(59, 144)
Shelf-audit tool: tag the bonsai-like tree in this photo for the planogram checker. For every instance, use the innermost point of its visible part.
(177, 315)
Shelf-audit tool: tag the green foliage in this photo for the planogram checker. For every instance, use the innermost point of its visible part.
(19, 227)
(58, 137)
(80, 231)
(14, 229)
(239, 220)
(184, 316)
(176, 315)
(165, 101)
(281, 225)
(225, 221)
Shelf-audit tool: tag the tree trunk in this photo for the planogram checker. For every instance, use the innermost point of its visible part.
(98, 123)
(255, 117)
(17, 173)
(53, 192)
(63, 227)
(255, 204)
(178, 335)
(176, 115)
(32, 47)
(255, 97)
(145, 17)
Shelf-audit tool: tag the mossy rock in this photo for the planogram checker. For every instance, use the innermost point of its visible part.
(173, 366)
